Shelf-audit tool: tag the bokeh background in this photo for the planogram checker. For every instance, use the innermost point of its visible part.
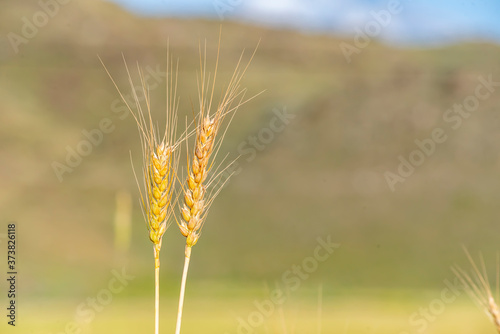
(357, 100)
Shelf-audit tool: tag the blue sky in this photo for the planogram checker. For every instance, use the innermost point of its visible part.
(420, 22)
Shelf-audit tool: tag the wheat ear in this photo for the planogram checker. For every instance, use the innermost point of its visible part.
(199, 190)
(478, 288)
(160, 161)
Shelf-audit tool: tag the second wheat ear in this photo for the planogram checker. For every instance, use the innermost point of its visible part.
(199, 188)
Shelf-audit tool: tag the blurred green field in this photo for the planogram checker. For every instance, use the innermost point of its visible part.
(373, 313)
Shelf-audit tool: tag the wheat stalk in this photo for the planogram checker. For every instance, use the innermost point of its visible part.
(199, 189)
(160, 161)
(478, 288)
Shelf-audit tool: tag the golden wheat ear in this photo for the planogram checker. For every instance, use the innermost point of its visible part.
(198, 189)
(160, 157)
(478, 287)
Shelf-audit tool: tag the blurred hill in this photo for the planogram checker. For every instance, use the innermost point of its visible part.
(322, 175)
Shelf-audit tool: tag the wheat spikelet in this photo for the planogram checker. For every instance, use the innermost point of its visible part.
(478, 288)
(194, 202)
(159, 185)
(160, 159)
(160, 155)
